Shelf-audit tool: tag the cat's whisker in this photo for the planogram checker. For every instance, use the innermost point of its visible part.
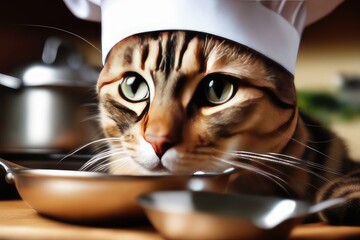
(286, 161)
(95, 118)
(119, 160)
(301, 164)
(115, 164)
(272, 177)
(100, 156)
(99, 147)
(102, 140)
(282, 173)
(91, 105)
(196, 160)
(273, 159)
(101, 159)
(312, 149)
(102, 149)
(309, 163)
(92, 110)
(62, 30)
(299, 167)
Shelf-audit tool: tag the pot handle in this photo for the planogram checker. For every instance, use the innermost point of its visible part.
(10, 81)
(9, 167)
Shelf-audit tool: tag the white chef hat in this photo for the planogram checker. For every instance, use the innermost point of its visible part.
(272, 28)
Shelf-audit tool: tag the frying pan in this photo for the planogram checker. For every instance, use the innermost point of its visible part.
(212, 216)
(90, 197)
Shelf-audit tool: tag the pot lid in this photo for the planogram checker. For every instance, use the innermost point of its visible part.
(62, 65)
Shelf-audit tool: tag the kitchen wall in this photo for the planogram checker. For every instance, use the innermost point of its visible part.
(25, 26)
(329, 48)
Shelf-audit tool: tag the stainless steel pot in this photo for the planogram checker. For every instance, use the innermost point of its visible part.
(43, 105)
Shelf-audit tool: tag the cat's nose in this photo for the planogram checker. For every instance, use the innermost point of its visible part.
(159, 143)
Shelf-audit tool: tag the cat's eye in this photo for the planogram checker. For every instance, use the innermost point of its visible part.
(134, 88)
(218, 89)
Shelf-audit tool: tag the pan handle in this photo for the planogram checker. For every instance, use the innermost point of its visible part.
(326, 204)
(9, 167)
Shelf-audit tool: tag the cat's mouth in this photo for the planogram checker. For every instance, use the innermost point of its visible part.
(172, 162)
(161, 170)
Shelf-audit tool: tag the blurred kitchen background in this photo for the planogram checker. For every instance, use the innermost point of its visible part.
(328, 72)
(49, 66)
(40, 36)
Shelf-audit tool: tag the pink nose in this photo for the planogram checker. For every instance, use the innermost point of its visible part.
(159, 143)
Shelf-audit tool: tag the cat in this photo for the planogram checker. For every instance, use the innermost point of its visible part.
(183, 101)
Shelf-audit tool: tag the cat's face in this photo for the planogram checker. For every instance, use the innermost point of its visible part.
(179, 102)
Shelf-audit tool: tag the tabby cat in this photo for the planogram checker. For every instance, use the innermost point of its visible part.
(179, 102)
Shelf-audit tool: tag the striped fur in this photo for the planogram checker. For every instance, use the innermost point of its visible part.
(174, 128)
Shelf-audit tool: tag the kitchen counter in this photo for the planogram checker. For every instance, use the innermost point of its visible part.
(19, 221)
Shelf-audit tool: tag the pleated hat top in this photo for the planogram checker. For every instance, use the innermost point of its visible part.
(272, 28)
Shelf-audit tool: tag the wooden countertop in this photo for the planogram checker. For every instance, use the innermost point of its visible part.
(19, 221)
